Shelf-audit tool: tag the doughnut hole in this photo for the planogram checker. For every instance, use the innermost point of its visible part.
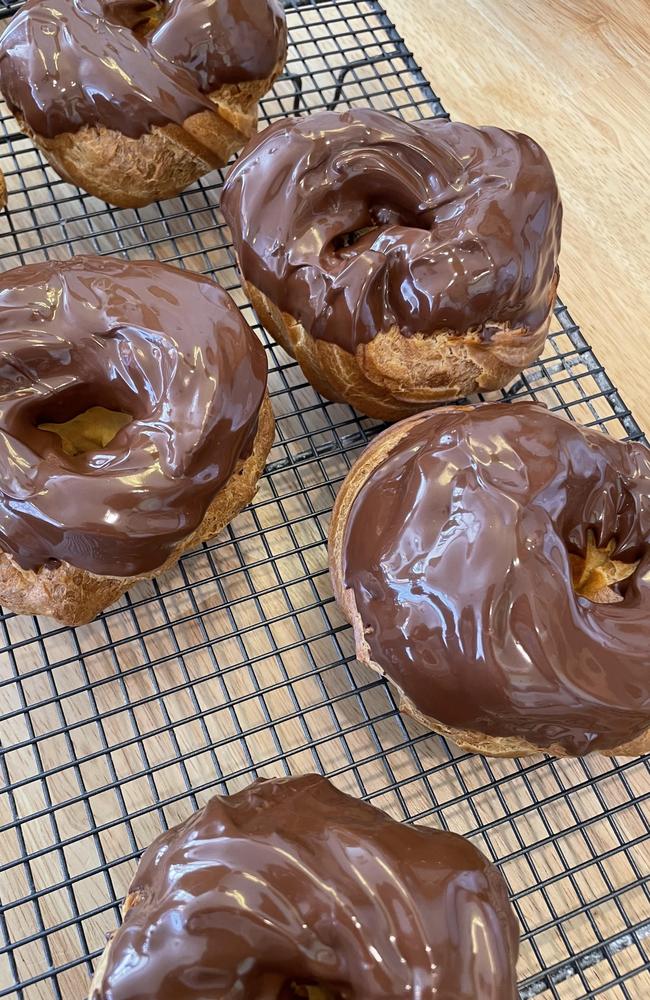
(360, 238)
(94, 428)
(84, 418)
(597, 576)
(346, 241)
(141, 16)
(308, 991)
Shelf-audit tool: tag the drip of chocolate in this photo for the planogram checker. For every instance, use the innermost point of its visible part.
(165, 346)
(69, 63)
(357, 222)
(457, 548)
(292, 881)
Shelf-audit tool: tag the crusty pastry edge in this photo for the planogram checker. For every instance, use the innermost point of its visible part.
(131, 900)
(132, 172)
(394, 376)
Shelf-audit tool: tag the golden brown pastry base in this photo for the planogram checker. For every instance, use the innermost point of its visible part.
(394, 376)
(75, 596)
(490, 746)
(3, 191)
(164, 161)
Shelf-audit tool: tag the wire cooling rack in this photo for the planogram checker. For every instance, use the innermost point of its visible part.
(237, 663)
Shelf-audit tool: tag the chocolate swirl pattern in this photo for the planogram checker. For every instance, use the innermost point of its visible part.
(131, 64)
(400, 263)
(293, 881)
(358, 222)
(165, 346)
(451, 549)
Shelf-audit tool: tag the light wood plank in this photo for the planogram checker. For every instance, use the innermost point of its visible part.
(573, 74)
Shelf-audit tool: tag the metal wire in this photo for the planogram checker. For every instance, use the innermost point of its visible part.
(237, 663)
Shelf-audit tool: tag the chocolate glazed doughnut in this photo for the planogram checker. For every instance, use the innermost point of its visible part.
(134, 99)
(166, 354)
(495, 564)
(291, 883)
(400, 263)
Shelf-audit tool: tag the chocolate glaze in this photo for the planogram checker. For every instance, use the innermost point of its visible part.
(68, 63)
(168, 347)
(465, 225)
(456, 549)
(291, 879)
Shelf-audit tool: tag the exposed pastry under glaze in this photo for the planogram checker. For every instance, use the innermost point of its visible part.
(134, 99)
(401, 263)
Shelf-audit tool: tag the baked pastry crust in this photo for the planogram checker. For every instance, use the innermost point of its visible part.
(394, 376)
(474, 742)
(161, 163)
(75, 596)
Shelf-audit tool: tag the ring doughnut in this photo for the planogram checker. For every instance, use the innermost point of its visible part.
(495, 564)
(400, 263)
(290, 888)
(164, 358)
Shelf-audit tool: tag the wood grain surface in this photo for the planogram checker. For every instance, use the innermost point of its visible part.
(573, 74)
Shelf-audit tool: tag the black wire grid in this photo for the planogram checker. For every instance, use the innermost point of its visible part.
(237, 662)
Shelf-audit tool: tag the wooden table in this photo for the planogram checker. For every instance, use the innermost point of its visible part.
(570, 73)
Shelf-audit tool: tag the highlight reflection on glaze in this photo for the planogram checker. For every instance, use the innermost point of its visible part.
(293, 880)
(452, 227)
(456, 549)
(68, 63)
(166, 346)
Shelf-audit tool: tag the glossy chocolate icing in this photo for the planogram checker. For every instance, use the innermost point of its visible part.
(291, 879)
(166, 346)
(68, 63)
(464, 225)
(457, 551)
